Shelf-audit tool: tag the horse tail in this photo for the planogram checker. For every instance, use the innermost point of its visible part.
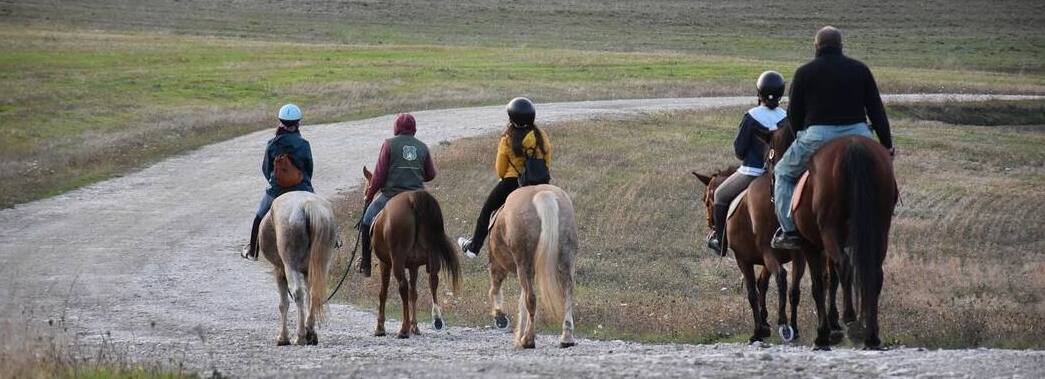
(549, 288)
(867, 199)
(322, 233)
(429, 218)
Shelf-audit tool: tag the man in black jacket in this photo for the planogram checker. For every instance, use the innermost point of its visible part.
(831, 96)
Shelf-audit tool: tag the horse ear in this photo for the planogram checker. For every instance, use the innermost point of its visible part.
(367, 174)
(702, 178)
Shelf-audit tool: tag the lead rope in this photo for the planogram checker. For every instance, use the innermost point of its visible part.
(348, 266)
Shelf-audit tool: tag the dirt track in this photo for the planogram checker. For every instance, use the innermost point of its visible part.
(151, 258)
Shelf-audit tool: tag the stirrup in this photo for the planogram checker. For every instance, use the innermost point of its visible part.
(785, 241)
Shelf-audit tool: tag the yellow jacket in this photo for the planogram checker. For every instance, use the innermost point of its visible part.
(505, 154)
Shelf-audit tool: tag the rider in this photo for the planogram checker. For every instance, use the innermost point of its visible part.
(519, 137)
(288, 141)
(750, 149)
(831, 96)
(403, 164)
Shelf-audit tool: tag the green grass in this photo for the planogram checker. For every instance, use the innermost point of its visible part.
(83, 106)
(964, 257)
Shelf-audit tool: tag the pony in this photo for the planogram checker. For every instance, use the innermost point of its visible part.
(844, 214)
(298, 236)
(534, 236)
(407, 234)
(750, 229)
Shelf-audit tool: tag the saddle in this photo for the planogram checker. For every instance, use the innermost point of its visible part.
(493, 217)
(733, 205)
(796, 197)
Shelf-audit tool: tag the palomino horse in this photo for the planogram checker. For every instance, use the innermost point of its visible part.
(750, 229)
(535, 237)
(407, 234)
(297, 236)
(844, 214)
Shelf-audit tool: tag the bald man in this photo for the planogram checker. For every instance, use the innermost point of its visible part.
(831, 96)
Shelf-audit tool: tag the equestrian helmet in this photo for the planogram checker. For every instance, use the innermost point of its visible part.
(521, 111)
(770, 86)
(290, 112)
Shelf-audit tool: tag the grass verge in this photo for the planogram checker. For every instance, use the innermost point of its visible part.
(963, 266)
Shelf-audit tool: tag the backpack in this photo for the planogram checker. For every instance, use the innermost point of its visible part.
(535, 171)
(286, 174)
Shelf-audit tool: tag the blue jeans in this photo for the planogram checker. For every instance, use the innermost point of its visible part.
(375, 207)
(266, 203)
(791, 165)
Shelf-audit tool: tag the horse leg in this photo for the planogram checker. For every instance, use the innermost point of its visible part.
(798, 267)
(566, 340)
(785, 331)
(299, 299)
(763, 291)
(527, 310)
(752, 299)
(437, 311)
(404, 295)
(284, 304)
(819, 278)
(869, 300)
(386, 273)
(837, 262)
(413, 302)
(497, 277)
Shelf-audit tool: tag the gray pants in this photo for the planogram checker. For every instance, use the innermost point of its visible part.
(731, 187)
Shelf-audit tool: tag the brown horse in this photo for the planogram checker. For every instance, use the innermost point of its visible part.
(297, 236)
(844, 215)
(535, 237)
(749, 230)
(407, 234)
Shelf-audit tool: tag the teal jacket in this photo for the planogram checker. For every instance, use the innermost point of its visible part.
(300, 154)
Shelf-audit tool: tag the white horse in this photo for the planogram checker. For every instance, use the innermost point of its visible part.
(298, 236)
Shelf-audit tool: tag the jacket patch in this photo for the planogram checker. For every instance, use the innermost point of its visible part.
(410, 152)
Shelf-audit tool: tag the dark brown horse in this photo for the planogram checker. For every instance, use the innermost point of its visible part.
(407, 234)
(749, 230)
(844, 215)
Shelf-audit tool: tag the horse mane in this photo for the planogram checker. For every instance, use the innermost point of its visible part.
(779, 141)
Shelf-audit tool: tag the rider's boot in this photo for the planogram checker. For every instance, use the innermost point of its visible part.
(365, 263)
(718, 243)
(251, 251)
(786, 240)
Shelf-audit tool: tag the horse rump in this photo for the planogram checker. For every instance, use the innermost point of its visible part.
(429, 218)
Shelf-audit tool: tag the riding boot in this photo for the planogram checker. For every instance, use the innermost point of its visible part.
(720, 228)
(252, 249)
(365, 263)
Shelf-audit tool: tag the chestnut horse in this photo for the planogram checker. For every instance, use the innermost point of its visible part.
(407, 234)
(535, 237)
(749, 230)
(844, 215)
(297, 236)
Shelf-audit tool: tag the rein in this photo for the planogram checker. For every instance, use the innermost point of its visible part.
(348, 266)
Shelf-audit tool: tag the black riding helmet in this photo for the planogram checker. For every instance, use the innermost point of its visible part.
(521, 112)
(770, 87)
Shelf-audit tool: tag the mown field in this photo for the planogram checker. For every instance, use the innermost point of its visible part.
(92, 89)
(965, 254)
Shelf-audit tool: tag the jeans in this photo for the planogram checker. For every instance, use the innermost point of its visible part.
(375, 207)
(266, 203)
(791, 165)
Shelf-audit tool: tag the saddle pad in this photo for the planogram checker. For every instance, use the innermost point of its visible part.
(797, 196)
(735, 204)
(493, 217)
(372, 224)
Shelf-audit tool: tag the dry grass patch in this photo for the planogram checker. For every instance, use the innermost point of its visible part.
(964, 266)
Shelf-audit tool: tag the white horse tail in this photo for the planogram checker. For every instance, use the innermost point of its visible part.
(549, 289)
(322, 229)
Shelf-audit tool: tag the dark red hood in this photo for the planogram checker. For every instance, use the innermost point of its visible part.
(405, 124)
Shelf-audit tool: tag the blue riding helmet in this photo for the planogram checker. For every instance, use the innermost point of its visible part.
(290, 112)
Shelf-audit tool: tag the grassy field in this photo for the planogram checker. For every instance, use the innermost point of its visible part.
(1005, 35)
(83, 106)
(964, 265)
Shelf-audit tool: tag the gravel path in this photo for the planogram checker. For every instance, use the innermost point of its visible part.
(151, 259)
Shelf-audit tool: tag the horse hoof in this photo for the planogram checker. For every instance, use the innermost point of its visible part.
(402, 335)
(379, 333)
(501, 321)
(822, 348)
(836, 337)
(786, 333)
(567, 344)
(874, 348)
(528, 345)
(437, 323)
(311, 338)
(282, 342)
(754, 339)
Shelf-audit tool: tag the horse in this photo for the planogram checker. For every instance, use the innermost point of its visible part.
(844, 214)
(297, 236)
(534, 236)
(407, 234)
(750, 229)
